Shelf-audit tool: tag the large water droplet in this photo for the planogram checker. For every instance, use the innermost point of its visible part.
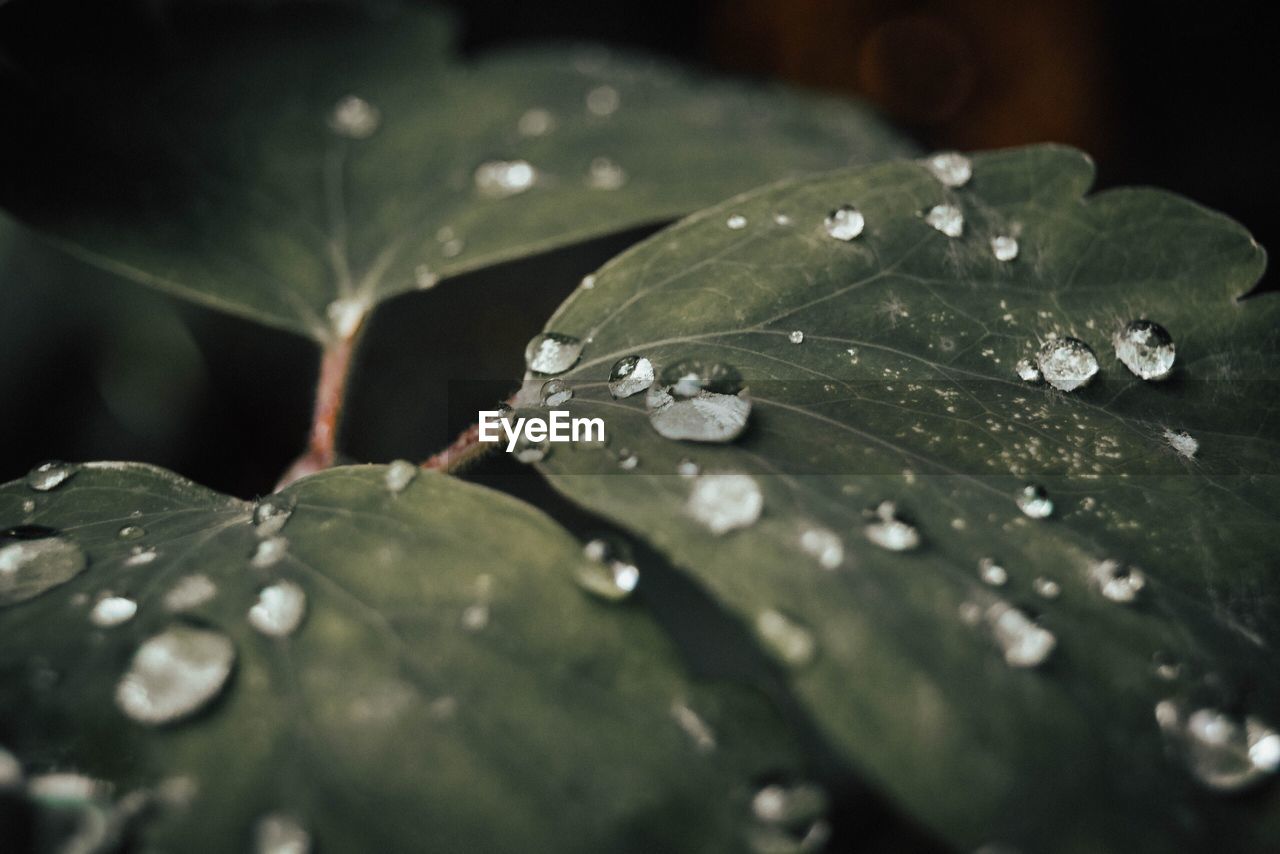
(50, 475)
(725, 502)
(1023, 643)
(1067, 363)
(278, 833)
(1117, 582)
(1005, 248)
(29, 567)
(630, 375)
(400, 473)
(552, 353)
(354, 118)
(605, 174)
(279, 609)
(269, 552)
(1222, 751)
(609, 573)
(112, 611)
(888, 531)
(556, 393)
(823, 545)
(705, 417)
(951, 168)
(1146, 348)
(191, 591)
(1034, 501)
(844, 223)
(947, 219)
(174, 674)
(786, 638)
(498, 179)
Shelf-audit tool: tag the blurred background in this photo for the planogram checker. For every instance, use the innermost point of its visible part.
(1168, 94)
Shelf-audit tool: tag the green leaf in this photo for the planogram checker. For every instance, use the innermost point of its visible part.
(213, 171)
(449, 686)
(904, 389)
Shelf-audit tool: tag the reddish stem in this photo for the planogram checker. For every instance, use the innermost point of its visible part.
(331, 392)
(464, 450)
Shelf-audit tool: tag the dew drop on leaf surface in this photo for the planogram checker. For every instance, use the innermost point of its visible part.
(556, 393)
(1004, 248)
(272, 513)
(279, 609)
(1224, 752)
(112, 611)
(844, 223)
(1034, 501)
(552, 353)
(609, 571)
(947, 219)
(400, 473)
(951, 168)
(29, 567)
(354, 118)
(630, 375)
(50, 475)
(724, 502)
(498, 179)
(278, 833)
(890, 532)
(1117, 582)
(1023, 643)
(174, 674)
(791, 642)
(1067, 363)
(1145, 348)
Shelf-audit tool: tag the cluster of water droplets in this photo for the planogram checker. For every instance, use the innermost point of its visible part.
(1068, 363)
(1225, 752)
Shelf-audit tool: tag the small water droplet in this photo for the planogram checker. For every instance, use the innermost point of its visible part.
(725, 502)
(475, 617)
(791, 642)
(688, 468)
(1117, 582)
(1034, 501)
(1005, 248)
(630, 375)
(824, 546)
(698, 730)
(174, 674)
(627, 459)
(65, 788)
(605, 174)
(498, 179)
(705, 416)
(400, 473)
(29, 505)
(588, 282)
(424, 278)
(736, 222)
(278, 833)
(552, 353)
(845, 223)
(354, 118)
(1023, 643)
(947, 219)
(788, 818)
(269, 552)
(529, 451)
(191, 591)
(112, 611)
(603, 101)
(1165, 667)
(50, 475)
(1028, 371)
(1067, 363)
(796, 336)
(556, 393)
(279, 609)
(888, 531)
(536, 122)
(992, 573)
(1046, 588)
(1222, 751)
(272, 512)
(1146, 348)
(781, 219)
(141, 556)
(951, 168)
(610, 572)
(131, 532)
(1183, 443)
(31, 566)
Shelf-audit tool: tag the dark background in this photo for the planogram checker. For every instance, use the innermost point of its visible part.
(1166, 94)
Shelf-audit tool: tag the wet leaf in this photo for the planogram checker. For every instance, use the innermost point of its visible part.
(1010, 707)
(444, 682)
(300, 164)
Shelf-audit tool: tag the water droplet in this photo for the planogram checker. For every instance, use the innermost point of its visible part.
(65, 788)
(1034, 501)
(796, 336)
(824, 546)
(707, 416)
(1046, 588)
(354, 118)
(1028, 371)
(1165, 667)
(630, 375)
(787, 639)
(141, 556)
(992, 573)
(400, 473)
(475, 617)
(50, 475)
(736, 222)
(688, 468)
(725, 502)
(605, 174)
(29, 567)
(112, 611)
(536, 122)
(1183, 443)
(1222, 751)
(698, 730)
(191, 591)
(890, 532)
(1005, 248)
(1023, 643)
(269, 552)
(424, 278)
(781, 219)
(29, 505)
(1067, 363)
(588, 282)
(279, 609)
(603, 101)
(174, 674)
(529, 451)
(131, 532)
(951, 168)
(346, 314)
(556, 393)
(278, 833)
(947, 219)
(272, 512)
(687, 378)
(627, 460)
(845, 223)
(788, 818)
(552, 353)
(1146, 349)
(498, 179)
(10, 770)
(1117, 582)
(609, 573)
